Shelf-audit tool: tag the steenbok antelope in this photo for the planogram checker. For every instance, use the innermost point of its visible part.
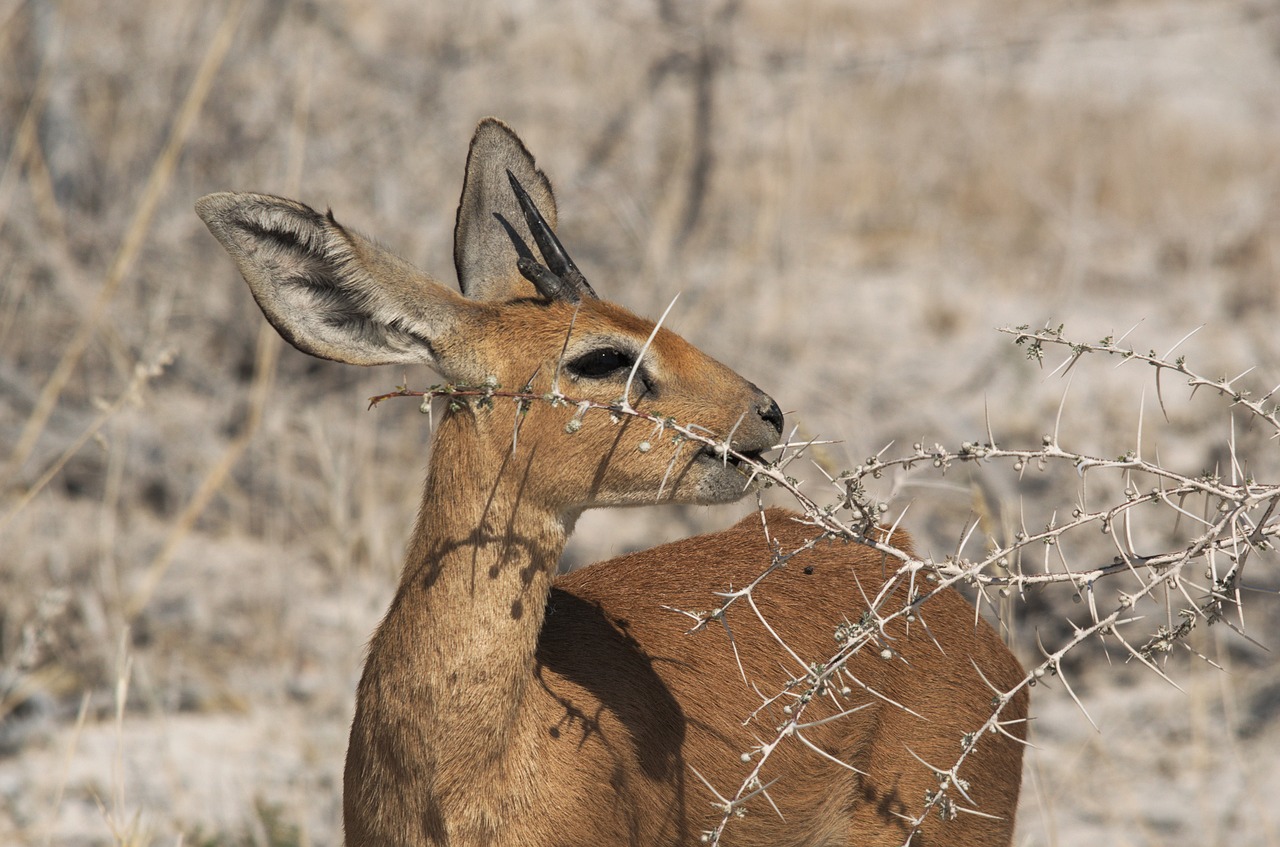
(503, 705)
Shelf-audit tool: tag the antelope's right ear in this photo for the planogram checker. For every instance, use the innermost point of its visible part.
(328, 291)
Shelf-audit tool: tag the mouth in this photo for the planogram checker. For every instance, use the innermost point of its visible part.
(722, 477)
(739, 461)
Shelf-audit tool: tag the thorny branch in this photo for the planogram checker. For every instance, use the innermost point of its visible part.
(1236, 516)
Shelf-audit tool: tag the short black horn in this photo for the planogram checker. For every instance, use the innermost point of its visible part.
(548, 284)
(557, 258)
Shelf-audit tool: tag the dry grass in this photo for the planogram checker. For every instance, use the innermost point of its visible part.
(849, 198)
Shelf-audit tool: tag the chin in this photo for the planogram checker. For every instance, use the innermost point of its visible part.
(721, 483)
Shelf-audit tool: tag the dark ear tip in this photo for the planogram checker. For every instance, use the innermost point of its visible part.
(490, 121)
(213, 206)
(496, 126)
(495, 135)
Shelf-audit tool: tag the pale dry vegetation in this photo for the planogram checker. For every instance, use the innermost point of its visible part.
(198, 529)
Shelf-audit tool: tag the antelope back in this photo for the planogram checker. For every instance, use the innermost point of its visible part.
(527, 325)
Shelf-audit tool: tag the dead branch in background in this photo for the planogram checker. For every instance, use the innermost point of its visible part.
(131, 244)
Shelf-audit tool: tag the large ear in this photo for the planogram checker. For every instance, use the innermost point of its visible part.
(328, 291)
(490, 219)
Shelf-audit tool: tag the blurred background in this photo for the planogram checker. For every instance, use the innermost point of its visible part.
(199, 526)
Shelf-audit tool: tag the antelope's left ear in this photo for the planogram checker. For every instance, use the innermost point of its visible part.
(491, 233)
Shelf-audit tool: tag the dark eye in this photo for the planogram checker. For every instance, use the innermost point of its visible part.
(601, 363)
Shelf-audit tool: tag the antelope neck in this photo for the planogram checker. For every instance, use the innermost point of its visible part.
(471, 599)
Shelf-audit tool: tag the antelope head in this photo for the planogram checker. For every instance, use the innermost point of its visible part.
(527, 321)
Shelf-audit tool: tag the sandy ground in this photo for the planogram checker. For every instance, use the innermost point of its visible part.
(849, 198)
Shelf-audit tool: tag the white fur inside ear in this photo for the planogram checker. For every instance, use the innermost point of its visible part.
(328, 291)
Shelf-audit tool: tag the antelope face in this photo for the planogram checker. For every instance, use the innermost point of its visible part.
(596, 352)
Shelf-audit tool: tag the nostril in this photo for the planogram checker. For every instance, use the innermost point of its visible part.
(771, 414)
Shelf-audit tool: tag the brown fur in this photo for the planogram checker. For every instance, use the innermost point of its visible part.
(500, 706)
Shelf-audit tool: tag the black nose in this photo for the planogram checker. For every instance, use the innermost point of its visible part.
(771, 414)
